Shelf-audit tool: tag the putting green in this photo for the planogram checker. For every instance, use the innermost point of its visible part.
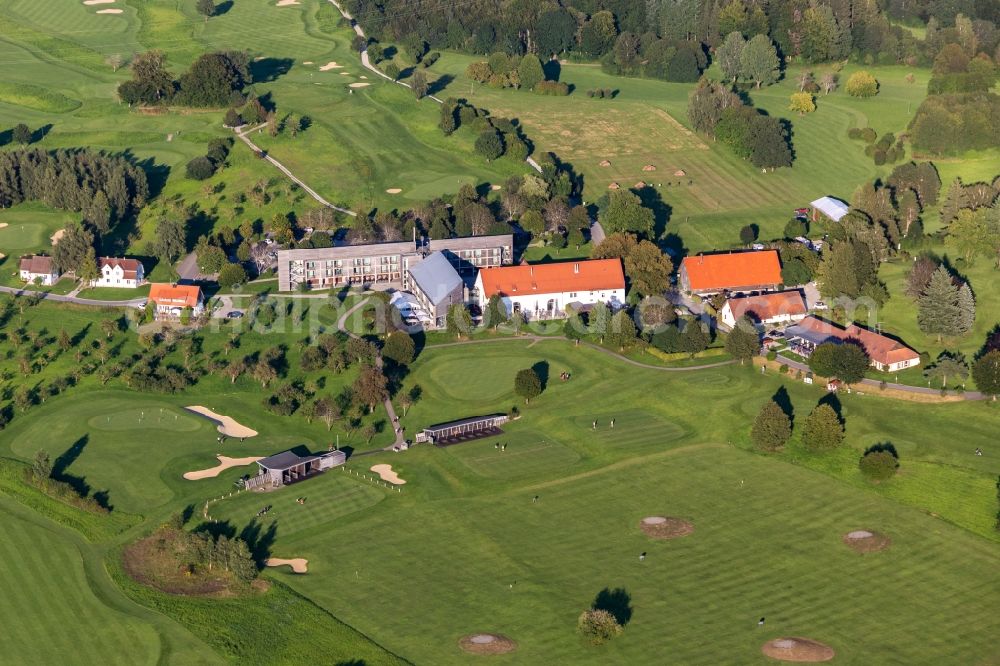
(151, 418)
(465, 379)
(29, 228)
(634, 431)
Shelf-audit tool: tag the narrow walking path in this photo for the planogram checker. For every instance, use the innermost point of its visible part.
(342, 326)
(242, 135)
(58, 298)
(366, 61)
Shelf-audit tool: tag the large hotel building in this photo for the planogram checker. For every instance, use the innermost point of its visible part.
(377, 263)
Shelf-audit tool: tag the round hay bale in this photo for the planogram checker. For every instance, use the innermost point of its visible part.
(487, 644)
(795, 648)
(866, 541)
(665, 527)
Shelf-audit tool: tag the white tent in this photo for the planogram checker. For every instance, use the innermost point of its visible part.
(832, 208)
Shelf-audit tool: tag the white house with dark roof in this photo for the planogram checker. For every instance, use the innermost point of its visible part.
(115, 272)
(38, 269)
(437, 286)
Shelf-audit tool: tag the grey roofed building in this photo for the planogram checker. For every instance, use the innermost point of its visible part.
(436, 277)
(437, 286)
(284, 460)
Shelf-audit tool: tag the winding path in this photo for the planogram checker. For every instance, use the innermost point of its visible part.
(242, 135)
(366, 61)
(342, 326)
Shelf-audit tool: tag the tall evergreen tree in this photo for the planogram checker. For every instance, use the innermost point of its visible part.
(822, 429)
(939, 313)
(772, 427)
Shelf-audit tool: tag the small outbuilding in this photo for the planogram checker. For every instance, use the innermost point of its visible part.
(288, 467)
(830, 207)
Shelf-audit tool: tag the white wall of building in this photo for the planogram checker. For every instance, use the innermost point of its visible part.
(729, 320)
(530, 304)
(46, 279)
(114, 276)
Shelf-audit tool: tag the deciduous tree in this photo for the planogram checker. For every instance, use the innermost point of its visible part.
(527, 384)
(822, 430)
(772, 427)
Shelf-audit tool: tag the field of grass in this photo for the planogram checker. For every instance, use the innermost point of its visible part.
(27, 228)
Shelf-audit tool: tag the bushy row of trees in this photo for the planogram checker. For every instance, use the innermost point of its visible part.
(213, 80)
(822, 430)
(713, 108)
(814, 32)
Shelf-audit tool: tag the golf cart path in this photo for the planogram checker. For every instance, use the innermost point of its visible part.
(366, 61)
(58, 298)
(342, 326)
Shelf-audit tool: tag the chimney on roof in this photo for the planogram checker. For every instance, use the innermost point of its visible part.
(531, 270)
(576, 268)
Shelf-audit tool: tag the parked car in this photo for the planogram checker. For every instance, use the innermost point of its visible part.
(141, 305)
(820, 305)
(235, 314)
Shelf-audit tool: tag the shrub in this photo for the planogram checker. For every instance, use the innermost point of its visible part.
(879, 462)
(431, 58)
(879, 157)
(869, 134)
(231, 275)
(783, 370)
(854, 133)
(598, 626)
(772, 355)
(554, 88)
(862, 84)
(199, 168)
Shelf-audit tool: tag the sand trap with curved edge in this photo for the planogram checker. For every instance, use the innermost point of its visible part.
(227, 425)
(57, 236)
(359, 85)
(393, 190)
(386, 473)
(286, 3)
(307, 62)
(330, 65)
(487, 644)
(98, 2)
(2, 225)
(298, 564)
(224, 464)
(110, 11)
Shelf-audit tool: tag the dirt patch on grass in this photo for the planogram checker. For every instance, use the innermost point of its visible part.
(57, 236)
(665, 527)
(866, 541)
(487, 644)
(158, 561)
(798, 649)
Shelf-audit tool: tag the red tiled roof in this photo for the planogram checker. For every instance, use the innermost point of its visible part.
(592, 275)
(880, 348)
(175, 295)
(738, 269)
(37, 264)
(768, 306)
(130, 267)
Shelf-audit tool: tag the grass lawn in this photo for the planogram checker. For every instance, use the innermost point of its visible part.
(115, 293)
(26, 228)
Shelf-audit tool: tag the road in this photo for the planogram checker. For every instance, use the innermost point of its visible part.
(18, 291)
(966, 395)
(366, 61)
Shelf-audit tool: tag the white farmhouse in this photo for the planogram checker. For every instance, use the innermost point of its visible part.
(38, 269)
(124, 273)
(541, 291)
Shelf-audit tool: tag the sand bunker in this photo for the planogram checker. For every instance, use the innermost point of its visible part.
(604, 163)
(391, 190)
(495, 187)
(864, 541)
(680, 172)
(286, 3)
(110, 11)
(614, 186)
(358, 85)
(797, 649)
(664, 527)
(363, 76)
(385, 471)
(224, 464)
(307, 62)
(2, 225)
(649, 167)
(487, 644)
(98, 2)
(330, 65)
(227, 425)
(57, 236)
(298, 564)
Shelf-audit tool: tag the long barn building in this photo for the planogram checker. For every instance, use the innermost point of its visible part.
(388, 263)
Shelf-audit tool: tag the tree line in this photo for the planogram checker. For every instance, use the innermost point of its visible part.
(671, 38)
(213, 80)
